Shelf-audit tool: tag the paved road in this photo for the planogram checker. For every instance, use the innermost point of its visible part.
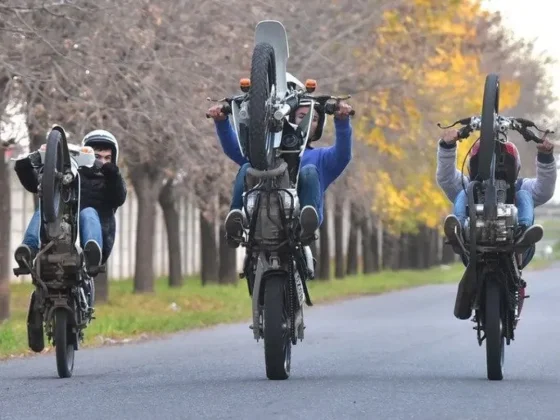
(398, 356)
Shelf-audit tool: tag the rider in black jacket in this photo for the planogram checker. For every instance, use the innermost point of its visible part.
(102, 191)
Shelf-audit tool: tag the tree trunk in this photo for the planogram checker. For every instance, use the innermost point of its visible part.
(352, 257)
(396, 263)
(101, 288)
(404, 251)
(228, 256)
(374, 247)
(324, 245)
(434, 247)
(368, 265)
(5, 230)
(146, 185)
(339, 269)
(426, 234)
(413, 251)
(418, 251)
(391, 252)
(169, 203)
(209, 270)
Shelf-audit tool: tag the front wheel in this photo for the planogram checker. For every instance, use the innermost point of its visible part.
(63, 344)
(493, 328)
(260, 147)
(277, 337)
(52, 175)
(490, 109)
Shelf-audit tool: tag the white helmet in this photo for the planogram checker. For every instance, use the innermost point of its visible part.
(102, 138)
(294, 83)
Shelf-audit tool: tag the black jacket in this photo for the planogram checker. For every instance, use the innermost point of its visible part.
(101, 187)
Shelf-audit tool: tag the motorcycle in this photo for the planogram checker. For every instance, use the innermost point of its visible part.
(492, 285)
(277, 265)
(64, 290)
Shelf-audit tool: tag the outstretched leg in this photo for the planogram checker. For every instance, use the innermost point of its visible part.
(453, 225)
(309, 193)
(30, 245)
(529, 234)
(91, 237)
(235, 220)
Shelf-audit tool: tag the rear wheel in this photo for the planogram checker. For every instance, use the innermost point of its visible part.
(63, 344)
(277, 337)
(493, 328)
(490, 109)
(260, 149)
(51, 181)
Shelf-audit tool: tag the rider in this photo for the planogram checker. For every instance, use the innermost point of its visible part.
(530, 192)
(102, 191)
(319, 167)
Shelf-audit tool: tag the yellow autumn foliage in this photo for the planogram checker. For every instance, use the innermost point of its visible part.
(446, 84)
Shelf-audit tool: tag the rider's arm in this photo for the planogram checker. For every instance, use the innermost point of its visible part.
(228, 140)
(27, 174)
(117, 191)
(336, 157)
(542, 187)
(114, 183)
(449, 178)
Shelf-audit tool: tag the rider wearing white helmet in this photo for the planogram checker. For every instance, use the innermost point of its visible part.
(102, 191)
(319, 167)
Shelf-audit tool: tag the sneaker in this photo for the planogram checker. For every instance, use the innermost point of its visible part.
(309, 222)
(234, 226)
(24, 253)
(92, 254)
(529, 236)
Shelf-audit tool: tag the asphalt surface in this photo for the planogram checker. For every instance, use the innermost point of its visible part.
(397, 356)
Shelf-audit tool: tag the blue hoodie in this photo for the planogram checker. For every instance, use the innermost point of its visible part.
(330, 161)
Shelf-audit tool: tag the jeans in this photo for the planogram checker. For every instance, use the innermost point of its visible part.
(525, 216)
(308, 189)
(90, 229)
(523, 202)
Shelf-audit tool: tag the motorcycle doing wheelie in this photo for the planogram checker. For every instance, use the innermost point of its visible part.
(64, 289)
(492, 286)
(277, 264)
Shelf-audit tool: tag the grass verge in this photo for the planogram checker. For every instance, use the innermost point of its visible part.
(131, 317)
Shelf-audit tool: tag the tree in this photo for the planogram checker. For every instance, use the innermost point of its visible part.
(169, 202)
(5, 228)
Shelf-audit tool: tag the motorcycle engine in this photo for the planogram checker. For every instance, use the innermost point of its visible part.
(502, 230)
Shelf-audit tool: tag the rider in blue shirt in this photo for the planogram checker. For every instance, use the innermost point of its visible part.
(319, 168)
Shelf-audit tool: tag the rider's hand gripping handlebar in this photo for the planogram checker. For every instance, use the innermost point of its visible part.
(521, 125)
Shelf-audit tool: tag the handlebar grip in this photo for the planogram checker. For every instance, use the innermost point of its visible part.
(464, 132)
(526, 122)
(528, 135)
(331, 108)
(226, 109)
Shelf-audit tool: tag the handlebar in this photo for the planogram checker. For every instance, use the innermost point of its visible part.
(502, 124)
(286, 105)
